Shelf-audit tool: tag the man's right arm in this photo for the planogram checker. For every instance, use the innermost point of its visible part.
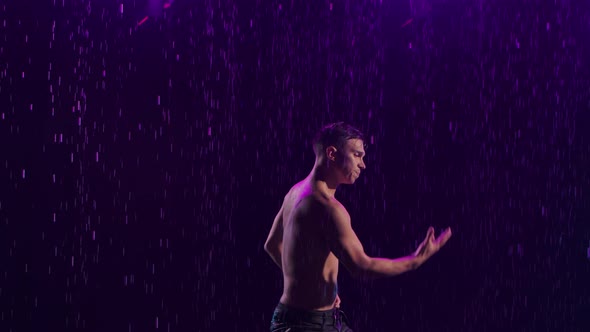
(345, 244)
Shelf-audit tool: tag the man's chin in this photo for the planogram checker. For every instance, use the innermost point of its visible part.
(350, 180)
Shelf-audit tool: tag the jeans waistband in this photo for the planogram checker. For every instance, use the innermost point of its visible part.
(323, 317)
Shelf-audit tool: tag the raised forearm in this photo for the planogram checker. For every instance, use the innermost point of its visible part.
(385, 267)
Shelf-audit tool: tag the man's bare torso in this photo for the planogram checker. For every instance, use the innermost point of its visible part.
(310, 269)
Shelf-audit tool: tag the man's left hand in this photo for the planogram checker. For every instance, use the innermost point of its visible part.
(337, 302)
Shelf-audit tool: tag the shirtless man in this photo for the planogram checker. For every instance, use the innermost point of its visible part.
(312, 232)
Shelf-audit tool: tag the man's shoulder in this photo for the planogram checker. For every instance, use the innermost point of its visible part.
(328, 205)
(305, 198)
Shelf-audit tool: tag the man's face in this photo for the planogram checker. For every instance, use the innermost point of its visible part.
(349, 162)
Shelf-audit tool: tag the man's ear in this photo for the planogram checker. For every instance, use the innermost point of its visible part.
(331, 153)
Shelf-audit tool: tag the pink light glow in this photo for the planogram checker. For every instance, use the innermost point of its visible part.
(142, 21)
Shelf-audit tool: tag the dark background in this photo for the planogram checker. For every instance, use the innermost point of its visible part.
(141, 165)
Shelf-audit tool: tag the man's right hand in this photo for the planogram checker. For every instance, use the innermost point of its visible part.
(431, 245)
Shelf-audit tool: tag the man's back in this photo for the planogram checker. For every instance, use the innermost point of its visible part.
(310, 269)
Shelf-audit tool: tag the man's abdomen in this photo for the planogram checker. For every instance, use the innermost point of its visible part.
(311, 290)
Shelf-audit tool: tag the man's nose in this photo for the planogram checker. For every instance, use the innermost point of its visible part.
(362, 165)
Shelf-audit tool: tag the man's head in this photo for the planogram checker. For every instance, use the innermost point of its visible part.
(341, 148)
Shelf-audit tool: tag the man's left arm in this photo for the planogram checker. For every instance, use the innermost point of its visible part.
(274, 243)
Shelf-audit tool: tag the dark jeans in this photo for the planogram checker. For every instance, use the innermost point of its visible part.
(286, 319)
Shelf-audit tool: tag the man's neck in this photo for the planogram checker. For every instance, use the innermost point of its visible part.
(321, 182)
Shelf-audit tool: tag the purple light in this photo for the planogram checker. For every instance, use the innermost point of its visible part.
(142, 21)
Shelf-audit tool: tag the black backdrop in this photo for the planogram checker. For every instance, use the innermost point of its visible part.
(146, 147)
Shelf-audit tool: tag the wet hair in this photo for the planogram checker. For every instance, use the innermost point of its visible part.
(335, 134)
